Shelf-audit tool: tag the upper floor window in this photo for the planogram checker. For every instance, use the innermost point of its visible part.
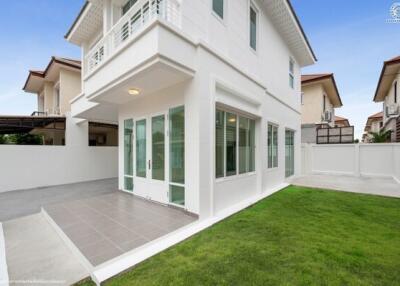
(253, 28)
(128, 5)
(395, 92)
(218, 8)
(324, 103)
(291, 73)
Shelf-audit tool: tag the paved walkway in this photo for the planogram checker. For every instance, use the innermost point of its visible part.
(36, 255)
(16, 204)
(376, 186)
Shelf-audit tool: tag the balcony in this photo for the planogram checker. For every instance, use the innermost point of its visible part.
(128, 27)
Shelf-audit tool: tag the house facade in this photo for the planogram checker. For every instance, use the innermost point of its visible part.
(54, 88)
(341, 121)
(374, 125)
(387, 93)
(319, 99)
(206, 93)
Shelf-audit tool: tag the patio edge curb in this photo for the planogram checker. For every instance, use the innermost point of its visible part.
(70, 245)
(134, 257)
(4, 279)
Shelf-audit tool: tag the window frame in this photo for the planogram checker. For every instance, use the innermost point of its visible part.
(253, 6)
(224, 11)
(273, 125)
(395, 91)
(225, 176)
(292, 64)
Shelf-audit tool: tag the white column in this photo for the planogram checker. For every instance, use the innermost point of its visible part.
(107, 16)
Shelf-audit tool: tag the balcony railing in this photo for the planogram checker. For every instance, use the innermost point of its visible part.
(129, 26)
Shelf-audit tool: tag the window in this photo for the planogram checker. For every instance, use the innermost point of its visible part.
(128, 5)
(158, 147)
(324, 103)
(272, 146)
(253, 28)
(395, 92)
(289, 153)
(218, 7)
(177, 155)
(128, 155)
(234, 144)
(291, 73)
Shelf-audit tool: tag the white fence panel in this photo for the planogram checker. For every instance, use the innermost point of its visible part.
(372, 160)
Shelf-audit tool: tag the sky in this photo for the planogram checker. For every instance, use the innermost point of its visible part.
(350, 38)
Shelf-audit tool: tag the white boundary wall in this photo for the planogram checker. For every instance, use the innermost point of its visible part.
(25, 167)
(370, 160)
(3, 263)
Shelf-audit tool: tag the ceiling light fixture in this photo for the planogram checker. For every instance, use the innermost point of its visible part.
(133, 91)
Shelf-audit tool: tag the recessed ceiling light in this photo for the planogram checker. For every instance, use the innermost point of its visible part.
(133, 91)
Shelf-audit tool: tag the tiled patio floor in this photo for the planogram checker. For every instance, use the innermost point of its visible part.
(106, 226)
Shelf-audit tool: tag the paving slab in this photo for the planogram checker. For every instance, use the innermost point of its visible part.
(21, 203)
(365, 185)
(105, 227)
(36, 255)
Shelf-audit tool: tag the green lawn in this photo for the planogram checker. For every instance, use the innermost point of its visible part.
(298, 236)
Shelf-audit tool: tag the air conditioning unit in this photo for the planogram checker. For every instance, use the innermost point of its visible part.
(327, 116)
(392, 110)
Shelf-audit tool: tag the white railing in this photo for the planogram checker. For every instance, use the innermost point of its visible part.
(130, 25)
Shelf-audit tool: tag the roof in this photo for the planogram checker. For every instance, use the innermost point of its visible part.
(77, 19)
(72, 63)
(388, 73)
(13, 124)
(328, 80)
(376, 115)
(339, 118)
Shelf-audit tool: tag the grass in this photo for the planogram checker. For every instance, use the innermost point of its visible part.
(298, 236)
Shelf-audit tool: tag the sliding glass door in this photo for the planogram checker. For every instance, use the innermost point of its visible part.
(158, 148)
(289, 153)
(141, 155)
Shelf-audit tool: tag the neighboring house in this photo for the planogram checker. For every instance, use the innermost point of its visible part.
(374, 124)
(319, 98)
(341, 121)
(206, 94)
(55, 87)
(387, 92)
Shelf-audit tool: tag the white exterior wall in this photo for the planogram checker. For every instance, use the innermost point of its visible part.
(225, 71)
(40, 166)
(370, 160)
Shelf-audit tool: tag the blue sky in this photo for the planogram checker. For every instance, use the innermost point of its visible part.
(350, 38)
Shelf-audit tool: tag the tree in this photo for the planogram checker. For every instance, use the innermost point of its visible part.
(3, 139)
(25, 139)
(381, 136)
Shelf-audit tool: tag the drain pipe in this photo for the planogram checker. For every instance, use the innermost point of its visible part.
(3, 262)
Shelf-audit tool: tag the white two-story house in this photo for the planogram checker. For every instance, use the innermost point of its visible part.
(387, 92)
(206, 93)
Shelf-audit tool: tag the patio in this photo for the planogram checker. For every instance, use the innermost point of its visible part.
(104, 227)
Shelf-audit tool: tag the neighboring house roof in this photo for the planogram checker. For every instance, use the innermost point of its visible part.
(36, 78)
(378, 115)
(389, 71)
(93, 11)
(329, 83)
(342, 120)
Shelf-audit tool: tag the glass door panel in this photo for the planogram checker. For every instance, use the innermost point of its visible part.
(158, 147)
(230, 148)
(289, 153)
(141, 148)
(128, 155)
(177, 155)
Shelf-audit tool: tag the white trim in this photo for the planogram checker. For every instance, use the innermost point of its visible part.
(136, 256)
(4, 280)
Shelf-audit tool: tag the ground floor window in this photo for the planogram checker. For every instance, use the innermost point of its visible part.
(272, 146)
(177, 155)
(234, 144)
(289, 153)
(128, 155)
